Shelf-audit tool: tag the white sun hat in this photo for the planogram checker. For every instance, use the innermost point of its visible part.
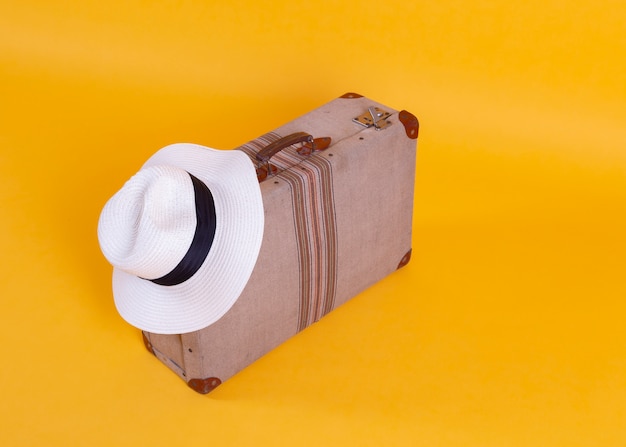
(183, 236)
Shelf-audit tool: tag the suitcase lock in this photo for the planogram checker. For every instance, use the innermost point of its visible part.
(374, 117)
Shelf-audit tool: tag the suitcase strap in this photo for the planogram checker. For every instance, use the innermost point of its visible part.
(315, 226)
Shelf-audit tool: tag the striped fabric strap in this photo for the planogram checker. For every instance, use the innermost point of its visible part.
(315, 226)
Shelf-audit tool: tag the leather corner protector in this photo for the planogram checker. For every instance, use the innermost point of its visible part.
(146, 342)
(351, 95)
(411, 124)
(405, 259)
(204, 386)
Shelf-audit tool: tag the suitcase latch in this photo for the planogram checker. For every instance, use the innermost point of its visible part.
(374, 117)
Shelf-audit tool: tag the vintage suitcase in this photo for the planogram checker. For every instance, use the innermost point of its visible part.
(338, 218)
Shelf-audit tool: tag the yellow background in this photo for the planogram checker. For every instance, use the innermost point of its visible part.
(506, 329)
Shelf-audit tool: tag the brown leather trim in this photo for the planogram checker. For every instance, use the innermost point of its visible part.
(411, 124)
(204, 386)
(146, 342)
(261, 173)
(351, 96)
(318, 144)
(405, 259)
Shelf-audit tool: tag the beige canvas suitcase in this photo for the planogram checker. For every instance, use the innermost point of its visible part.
(338, 218)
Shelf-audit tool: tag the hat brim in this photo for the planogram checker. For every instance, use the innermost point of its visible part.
(215, 287)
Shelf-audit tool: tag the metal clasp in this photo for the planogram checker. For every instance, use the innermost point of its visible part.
(374, 117)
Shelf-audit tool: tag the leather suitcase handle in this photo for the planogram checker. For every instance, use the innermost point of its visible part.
(310, 145)
(272, 149)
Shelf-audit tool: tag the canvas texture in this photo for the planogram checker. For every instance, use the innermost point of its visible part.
(336, 222)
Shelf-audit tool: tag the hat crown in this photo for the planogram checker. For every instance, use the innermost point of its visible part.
(146, 228)
(183, 236)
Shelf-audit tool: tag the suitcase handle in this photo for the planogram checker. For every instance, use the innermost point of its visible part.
(310, 145)
(272, 149)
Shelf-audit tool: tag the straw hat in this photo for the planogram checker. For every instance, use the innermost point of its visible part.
(183, 236)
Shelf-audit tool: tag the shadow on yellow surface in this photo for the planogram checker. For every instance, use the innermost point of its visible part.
(506, 327)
